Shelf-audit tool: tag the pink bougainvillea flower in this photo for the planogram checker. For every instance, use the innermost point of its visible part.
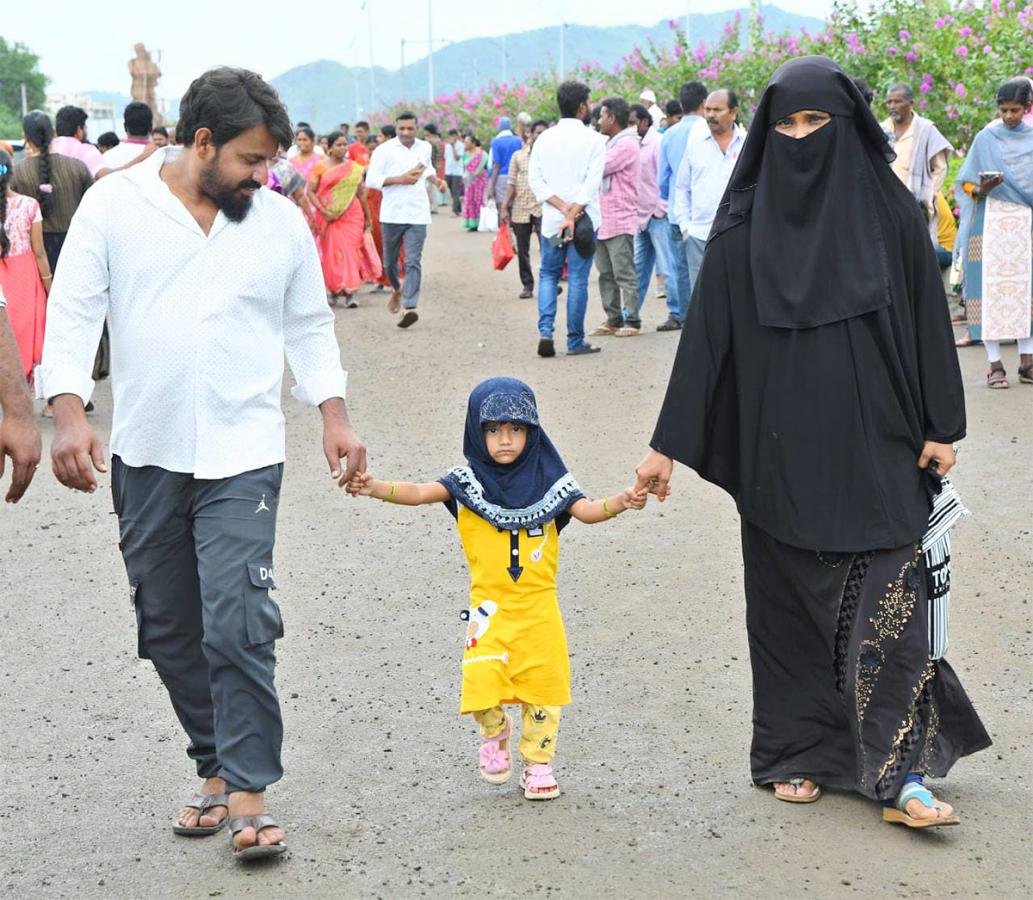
(925, 87)
(965, 31)
(904, 35)
(962, 51)
(941, 23)
(892, 51)
(959, 89)
(911, 56)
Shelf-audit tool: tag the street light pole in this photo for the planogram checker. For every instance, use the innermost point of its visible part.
(688, 24)
(505, 60)
(372, 77)
(430, 56)
(402, 70)
(563, 48)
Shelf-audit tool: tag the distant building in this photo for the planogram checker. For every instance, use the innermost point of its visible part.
(102, 115)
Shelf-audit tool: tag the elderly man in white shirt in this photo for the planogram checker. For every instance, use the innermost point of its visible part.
(401, 168)
(208, 279)
(565, 174)
(19, 436)
(707, 164)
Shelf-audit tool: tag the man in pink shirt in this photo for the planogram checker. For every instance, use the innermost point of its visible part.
(618, 199)
(70, 128)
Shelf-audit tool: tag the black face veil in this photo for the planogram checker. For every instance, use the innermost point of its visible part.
(821, 209)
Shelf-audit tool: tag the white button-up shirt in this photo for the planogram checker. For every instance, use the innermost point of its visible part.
(199, 323)
(403, 204)
(702, 178)
(567, 162)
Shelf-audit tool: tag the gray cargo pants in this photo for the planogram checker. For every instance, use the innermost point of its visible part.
(199, 555)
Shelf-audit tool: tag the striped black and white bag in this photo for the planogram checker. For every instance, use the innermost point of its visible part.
(936, 546)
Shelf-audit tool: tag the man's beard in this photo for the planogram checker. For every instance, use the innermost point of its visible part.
(234, 206)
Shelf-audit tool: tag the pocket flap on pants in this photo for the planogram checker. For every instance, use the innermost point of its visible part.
(261, 572)
(262, 615)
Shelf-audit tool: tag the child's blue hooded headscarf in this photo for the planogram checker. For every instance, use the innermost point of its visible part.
(533, 489)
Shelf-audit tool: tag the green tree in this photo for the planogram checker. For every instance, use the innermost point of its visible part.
(18, 66)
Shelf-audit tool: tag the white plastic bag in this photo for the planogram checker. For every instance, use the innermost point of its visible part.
(489, 217)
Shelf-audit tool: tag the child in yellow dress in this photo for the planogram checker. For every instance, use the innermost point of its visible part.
(510, 503)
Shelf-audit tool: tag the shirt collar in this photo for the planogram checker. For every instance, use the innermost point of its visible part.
(506, 132)
(147, 175)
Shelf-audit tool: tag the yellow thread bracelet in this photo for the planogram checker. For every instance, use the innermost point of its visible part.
(390, 497)
(606, 509)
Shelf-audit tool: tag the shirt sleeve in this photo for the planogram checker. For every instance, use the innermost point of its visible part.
(308, 325)
(681, 202)
(938, 170)
(536, 178)
(77, 304)
(375, 173)
(589, 189)
(619, 157)
(663, 172)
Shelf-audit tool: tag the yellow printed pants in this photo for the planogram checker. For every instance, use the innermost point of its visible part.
(538, 735)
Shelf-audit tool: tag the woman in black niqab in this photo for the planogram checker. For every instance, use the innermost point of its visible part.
(815, 381)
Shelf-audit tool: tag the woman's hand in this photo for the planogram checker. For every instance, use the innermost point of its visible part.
(368, 226)
(941, 457)
(653, 475)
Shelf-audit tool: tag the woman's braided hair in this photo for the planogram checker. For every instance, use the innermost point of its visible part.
(6, 165)
(38, 129)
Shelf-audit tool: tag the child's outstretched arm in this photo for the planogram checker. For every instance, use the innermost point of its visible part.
(404, 493)
(591, 512)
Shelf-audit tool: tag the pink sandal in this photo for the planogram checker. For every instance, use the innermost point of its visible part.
(538, 782)
(495, 764)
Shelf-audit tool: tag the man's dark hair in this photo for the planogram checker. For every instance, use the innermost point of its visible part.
(228, 102)
(344, 127)
(305, 130)
(362, 123)
(641, 113)
(452, 131)
(138, 119)
(1015, 90)
(569, 97)
(672, 108)
(301, 125)
(731, 96)
(618, 108)
(108, 140)
(904, 88)
(68, 120)
(431, 128)
(864, 88)
(538, 122)
(405, 115)
(389, 131)
(160, 129)
(691, 95)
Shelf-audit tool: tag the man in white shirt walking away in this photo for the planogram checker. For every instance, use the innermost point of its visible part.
(706, 165)
(138, 121)
(401, 168)
(208, 280)
(565, 174)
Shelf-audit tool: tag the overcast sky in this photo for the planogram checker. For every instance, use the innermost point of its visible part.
(85, 46)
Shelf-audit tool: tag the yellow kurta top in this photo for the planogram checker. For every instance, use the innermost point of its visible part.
(516, 648)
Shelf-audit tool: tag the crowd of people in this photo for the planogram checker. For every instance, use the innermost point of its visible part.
(816, 382)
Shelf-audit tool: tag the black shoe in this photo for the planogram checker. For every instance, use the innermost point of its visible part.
(671, 324)
(583, 349)
(546, 347)
(408, 318)
(525, 293)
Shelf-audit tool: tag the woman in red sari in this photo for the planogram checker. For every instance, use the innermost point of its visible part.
(339, 196)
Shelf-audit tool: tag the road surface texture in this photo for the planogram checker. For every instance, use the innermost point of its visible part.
(381, 796)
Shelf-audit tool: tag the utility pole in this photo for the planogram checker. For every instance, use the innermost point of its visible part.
(505, 59)
(402, 69)
(25, 101)
(372, 78)
(688, 24)
(563, 48)
(430, 56)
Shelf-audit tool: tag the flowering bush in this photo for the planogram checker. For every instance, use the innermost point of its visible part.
(954, 53)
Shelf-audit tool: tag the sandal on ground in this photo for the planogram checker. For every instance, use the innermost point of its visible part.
(959, 319)
(996, 378)
(1026, 374)
(394, 302)
(203, 803)
(350, 302)
(494, 760)
(672, 324)
(256, 850)
(538, 782)
(603, 330)
(799, 798)
(966, 342)
(628, 331)
(915, 790)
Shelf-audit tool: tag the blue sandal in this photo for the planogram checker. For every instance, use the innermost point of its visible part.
(897, 814)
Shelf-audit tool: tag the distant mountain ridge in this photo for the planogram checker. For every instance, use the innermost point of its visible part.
(325, 93)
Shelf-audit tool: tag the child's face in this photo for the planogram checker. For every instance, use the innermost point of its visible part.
(505, 440)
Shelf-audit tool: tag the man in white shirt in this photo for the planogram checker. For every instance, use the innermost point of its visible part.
(138, 120)
(707, 164)
(208, 280)
(454, 170)
(565, 174)
(19, 436)
(401, 168)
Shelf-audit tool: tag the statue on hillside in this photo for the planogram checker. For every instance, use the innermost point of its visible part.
(145, 73)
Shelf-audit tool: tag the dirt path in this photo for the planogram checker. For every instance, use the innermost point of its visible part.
(381, 796)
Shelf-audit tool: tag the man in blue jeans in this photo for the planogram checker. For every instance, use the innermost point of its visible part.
(693, 94)
(565, 174)
(653, 240)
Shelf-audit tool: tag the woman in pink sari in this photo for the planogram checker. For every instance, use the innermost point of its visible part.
(24, 270)
(475, 181)
(342, 211)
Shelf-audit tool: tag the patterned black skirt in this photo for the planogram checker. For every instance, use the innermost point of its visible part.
(844, 691)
